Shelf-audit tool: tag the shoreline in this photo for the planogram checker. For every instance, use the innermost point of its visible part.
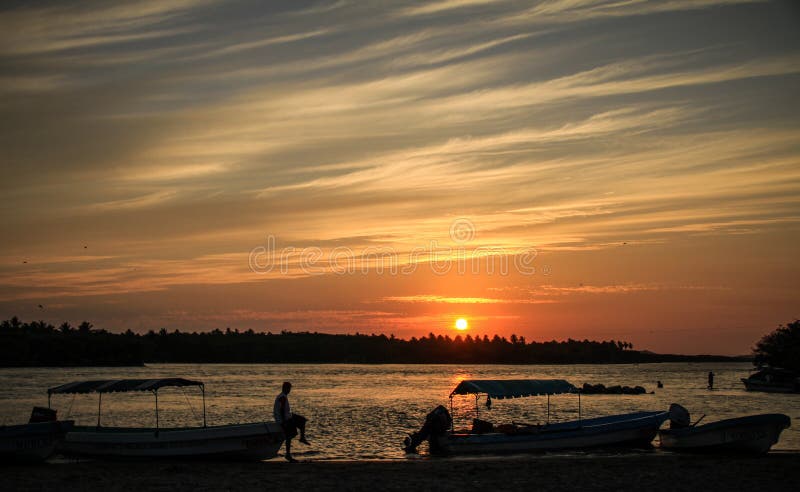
(711, 360)
(653, 472)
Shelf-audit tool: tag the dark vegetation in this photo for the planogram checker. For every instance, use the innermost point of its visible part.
(41, 344)
(781, 348)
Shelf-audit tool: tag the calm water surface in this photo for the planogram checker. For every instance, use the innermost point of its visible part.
(364, 411)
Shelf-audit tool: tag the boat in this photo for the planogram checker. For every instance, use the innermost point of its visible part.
(753, 434)
(773, 380)
(253, 441)
(30, 442)
(35, 441)
(624, 430)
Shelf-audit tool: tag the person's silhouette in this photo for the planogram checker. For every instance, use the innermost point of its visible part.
(291, 422)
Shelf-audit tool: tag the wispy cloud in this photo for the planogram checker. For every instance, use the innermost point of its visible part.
(426, 298)
(262, 43)
(438, 7)
(30, 30)
(172, 137)
(570, 11)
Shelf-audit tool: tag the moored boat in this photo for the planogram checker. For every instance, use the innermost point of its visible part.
(773, 380)
(31, 442)
(256, 441)
(253, 441)
(753, 434)
(624, 430)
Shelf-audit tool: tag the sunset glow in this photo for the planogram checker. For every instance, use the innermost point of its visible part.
(599, 170)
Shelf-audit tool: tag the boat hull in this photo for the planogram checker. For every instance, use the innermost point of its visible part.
(755, 434)
(771, 387)
(627, 430)
(31, 442)
(256, 441)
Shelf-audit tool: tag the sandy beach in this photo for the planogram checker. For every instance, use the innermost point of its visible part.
(654, 472)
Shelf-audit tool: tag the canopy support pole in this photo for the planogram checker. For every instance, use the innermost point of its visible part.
(155, 392)
(99, 402)
(548, 408)
(579, 408)
(477, 407)
(48, 400)
(452, 420)
(203, 390)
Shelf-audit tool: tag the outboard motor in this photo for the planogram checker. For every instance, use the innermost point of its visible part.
(436, 423)
(678, 417)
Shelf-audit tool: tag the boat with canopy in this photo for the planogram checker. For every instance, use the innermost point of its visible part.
(628, 430)
(252, 441)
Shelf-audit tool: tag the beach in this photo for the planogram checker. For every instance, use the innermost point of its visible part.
(651, 471)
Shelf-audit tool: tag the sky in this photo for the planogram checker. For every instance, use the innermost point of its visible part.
(559, 169)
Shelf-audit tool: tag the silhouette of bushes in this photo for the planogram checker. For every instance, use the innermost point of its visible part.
(780, 349)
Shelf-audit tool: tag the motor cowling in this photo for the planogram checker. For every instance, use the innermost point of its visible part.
(42, 414)
(437, 422)
(678, 417)
(440, 420)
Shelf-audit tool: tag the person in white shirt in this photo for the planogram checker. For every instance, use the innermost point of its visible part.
(291, 422)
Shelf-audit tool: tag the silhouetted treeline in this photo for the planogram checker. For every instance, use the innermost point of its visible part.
(41, 344)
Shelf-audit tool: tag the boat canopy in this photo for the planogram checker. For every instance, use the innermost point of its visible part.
(114, 385)
(513, 388)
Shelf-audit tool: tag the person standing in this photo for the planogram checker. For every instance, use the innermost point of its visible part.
(290, 422)
(711, 380)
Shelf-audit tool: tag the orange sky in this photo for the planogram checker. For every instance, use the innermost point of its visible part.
(635, 167)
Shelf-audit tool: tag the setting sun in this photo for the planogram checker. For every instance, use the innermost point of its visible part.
(461, 324)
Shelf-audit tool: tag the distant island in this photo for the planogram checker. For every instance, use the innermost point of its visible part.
(39, 343)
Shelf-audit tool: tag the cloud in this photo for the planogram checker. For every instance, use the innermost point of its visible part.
(439, 7)
(571, 11)
(552, 293)
(173, 137)
(261, 43)
(32, 30)
(426, 298)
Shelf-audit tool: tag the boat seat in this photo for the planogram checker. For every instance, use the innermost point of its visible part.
(509, 429)
(481, 426)
(524, 428)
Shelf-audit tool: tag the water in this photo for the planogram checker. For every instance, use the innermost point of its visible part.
(364, 411)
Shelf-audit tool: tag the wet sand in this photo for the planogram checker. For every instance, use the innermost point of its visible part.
(652, 472)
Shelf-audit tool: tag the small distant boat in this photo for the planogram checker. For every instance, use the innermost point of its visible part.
(773, 380)
(34, 441)
(754, 434)
(625, 430)
(255, 441)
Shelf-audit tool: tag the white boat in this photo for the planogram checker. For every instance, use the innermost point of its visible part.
(754, 434)
(31, 442)
(254, 441)
(625, 430)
